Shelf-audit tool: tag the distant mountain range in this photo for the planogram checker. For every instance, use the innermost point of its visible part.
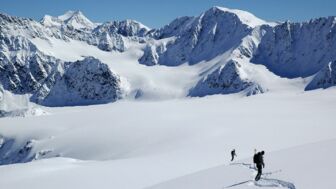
(233, 51)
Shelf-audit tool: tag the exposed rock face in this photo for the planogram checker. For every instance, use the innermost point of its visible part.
(23, 68)
(18, 155)
(202, 38)
(112, 35)
(125, 28)
(175, 28)
(84, 82)
(298, 49)
(325, 78)
(225, 80)
(150, 56)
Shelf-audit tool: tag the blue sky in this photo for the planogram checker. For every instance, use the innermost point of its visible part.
(156, 13)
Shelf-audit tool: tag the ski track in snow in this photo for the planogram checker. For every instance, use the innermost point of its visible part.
(264, 181)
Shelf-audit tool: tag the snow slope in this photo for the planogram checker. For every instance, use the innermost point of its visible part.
(284, 169)
(149, 143)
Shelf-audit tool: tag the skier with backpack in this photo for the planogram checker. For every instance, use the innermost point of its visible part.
(233, 154)
(258, 159)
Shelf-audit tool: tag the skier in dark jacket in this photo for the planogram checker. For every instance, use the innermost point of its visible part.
(258, 159)
(233, 154)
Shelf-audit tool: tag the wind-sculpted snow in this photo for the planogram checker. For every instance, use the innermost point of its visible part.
(225, 80)
(325, 78)
(298, 49)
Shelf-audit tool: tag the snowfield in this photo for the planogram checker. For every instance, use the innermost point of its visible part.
(306, 166)
(139, 144)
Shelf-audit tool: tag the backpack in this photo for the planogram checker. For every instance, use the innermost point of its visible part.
(255, 158)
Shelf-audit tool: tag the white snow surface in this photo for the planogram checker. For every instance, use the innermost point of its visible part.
(140, 144)
(277, 174)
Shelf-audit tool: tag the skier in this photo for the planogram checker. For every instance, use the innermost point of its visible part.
(258, 159)
(233, 154)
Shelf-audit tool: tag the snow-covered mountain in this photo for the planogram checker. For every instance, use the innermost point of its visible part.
(111, 35)
(71, 19)
(204, 37)
(221, 51)
(229, 78)
(298, 49)
(83, 82)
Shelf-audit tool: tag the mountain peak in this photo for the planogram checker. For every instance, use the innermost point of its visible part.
(131, 22)
(69, 14)
(245, 17)
(76, 19)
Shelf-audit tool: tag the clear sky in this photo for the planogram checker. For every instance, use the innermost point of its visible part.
(156, 13)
